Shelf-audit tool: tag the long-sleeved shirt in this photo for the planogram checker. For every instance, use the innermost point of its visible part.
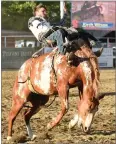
(40, 26)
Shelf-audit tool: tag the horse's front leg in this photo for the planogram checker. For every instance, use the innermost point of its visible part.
(75, 119)
(63, 91)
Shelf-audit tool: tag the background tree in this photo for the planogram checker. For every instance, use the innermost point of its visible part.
(15, 14)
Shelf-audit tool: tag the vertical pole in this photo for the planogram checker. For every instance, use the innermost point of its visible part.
(5, 41)
(61, 9)
(108, 42)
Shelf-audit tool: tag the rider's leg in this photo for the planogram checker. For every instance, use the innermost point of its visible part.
(59, 36)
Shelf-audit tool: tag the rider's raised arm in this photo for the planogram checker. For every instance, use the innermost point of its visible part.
(63, 20)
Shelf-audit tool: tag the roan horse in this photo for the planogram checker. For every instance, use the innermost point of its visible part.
(49, 74)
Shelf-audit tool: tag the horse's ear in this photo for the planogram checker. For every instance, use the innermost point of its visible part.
(100, 96)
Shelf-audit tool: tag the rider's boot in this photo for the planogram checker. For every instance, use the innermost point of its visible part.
(36, 54)
(50, 43)
(99, 52)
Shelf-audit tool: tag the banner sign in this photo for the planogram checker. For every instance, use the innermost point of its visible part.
(93, 15)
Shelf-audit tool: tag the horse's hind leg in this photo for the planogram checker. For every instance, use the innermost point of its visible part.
(17, 104)
(20, 95)
(35, 106)
(36, 101)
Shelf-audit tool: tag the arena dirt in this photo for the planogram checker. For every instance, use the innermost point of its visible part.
(102, 130)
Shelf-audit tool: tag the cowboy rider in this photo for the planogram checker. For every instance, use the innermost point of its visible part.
(44, 32)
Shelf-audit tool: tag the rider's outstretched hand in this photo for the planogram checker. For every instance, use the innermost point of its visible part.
(65, 8)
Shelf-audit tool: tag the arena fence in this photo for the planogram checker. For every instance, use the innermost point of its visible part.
(18, 48)
(13, 58)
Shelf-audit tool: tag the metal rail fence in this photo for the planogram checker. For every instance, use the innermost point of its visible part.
(17, 49)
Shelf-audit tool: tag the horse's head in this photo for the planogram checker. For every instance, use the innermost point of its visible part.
(89, 75)
(87, 107)
(86, 111)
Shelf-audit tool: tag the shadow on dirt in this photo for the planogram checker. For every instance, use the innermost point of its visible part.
(101, 132)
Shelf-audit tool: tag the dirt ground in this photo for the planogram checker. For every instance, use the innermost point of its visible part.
(103, 129)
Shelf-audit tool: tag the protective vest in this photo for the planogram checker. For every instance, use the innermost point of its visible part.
(38, 26)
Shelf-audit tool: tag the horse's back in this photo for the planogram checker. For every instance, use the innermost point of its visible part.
(42, 74)
(24, 70)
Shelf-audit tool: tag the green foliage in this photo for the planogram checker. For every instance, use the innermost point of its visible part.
(15, 14)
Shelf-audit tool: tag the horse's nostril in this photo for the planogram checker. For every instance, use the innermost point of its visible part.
(85, 128)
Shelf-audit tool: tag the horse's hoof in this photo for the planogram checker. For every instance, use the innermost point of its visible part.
(33, 137)
(49, 126)
(70, 125)
(74, 121)
(9, 138)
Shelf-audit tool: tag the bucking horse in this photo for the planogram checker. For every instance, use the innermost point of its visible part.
(50, 74)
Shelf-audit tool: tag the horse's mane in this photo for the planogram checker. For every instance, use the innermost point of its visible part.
(94, 63)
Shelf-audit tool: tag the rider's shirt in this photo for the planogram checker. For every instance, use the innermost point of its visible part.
(40, 26)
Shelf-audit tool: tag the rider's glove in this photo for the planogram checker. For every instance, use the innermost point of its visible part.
(92, 42)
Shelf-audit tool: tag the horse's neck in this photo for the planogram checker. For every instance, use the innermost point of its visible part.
(93, 60)
(94, 63)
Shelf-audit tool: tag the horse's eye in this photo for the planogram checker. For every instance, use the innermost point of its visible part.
(92, 99)
(89, 108)
(92, 109)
